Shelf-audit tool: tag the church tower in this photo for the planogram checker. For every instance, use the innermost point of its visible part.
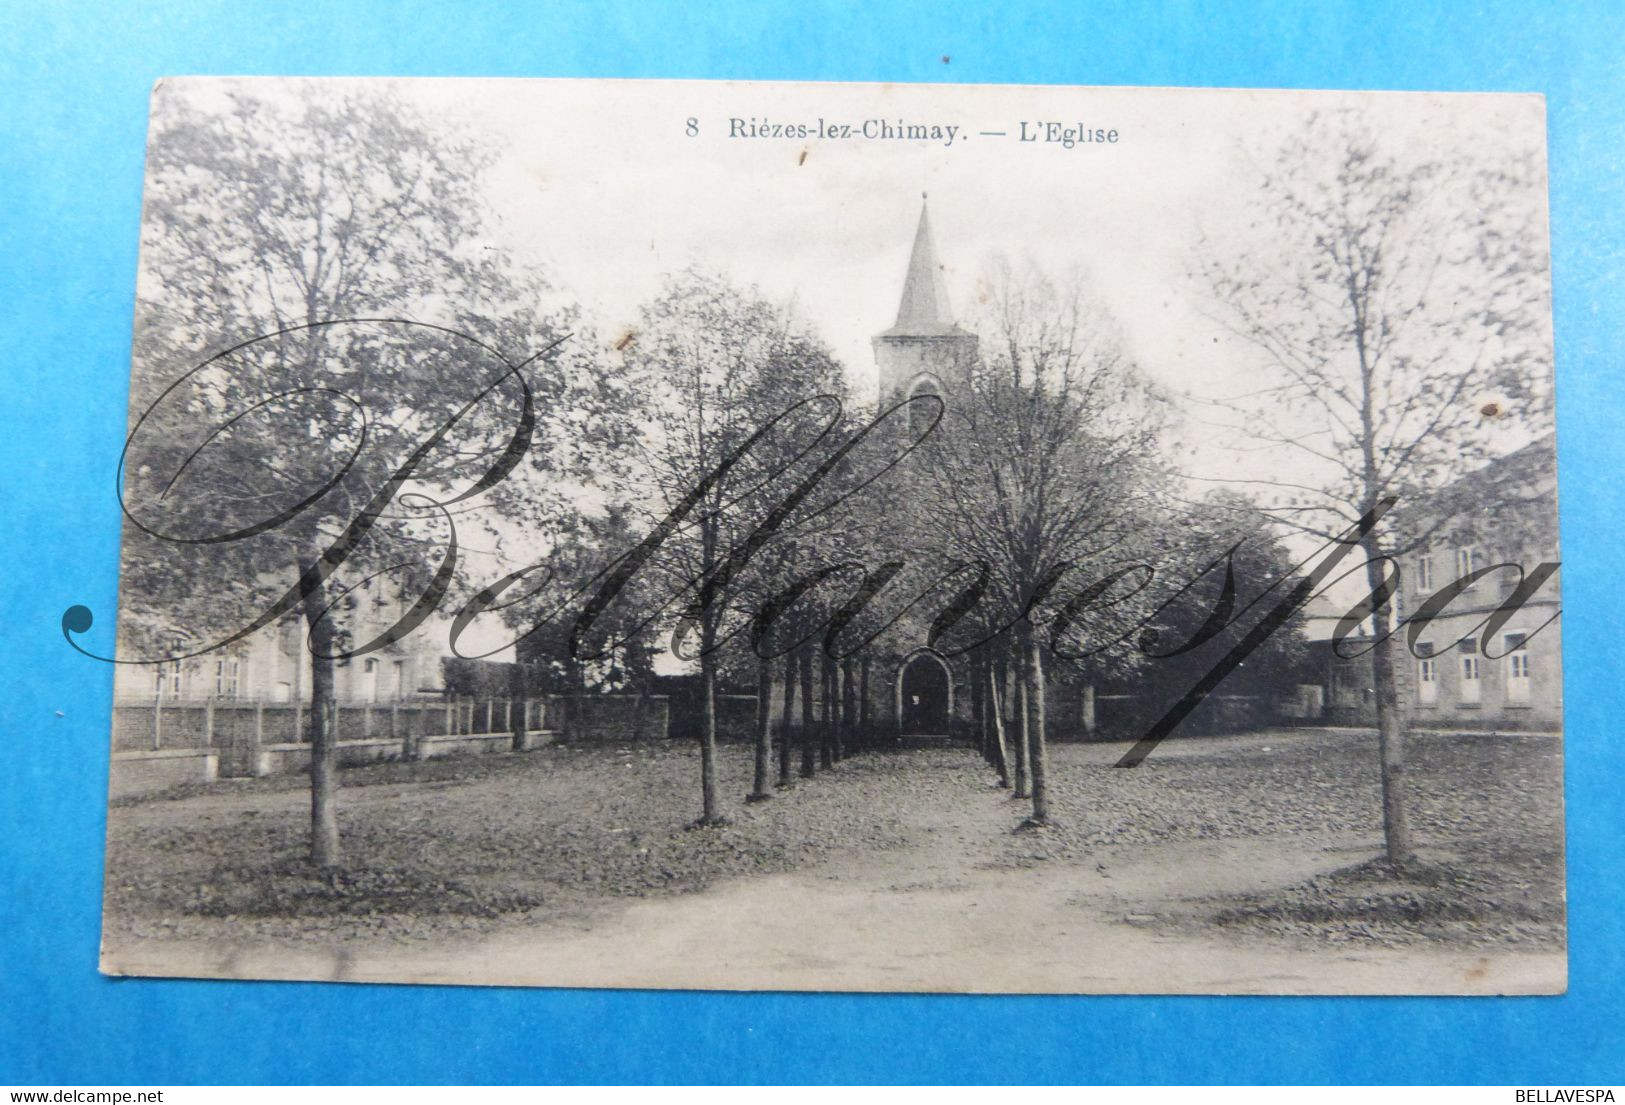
(923, 353)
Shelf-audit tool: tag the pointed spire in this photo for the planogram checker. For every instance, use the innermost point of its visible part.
(924, 309)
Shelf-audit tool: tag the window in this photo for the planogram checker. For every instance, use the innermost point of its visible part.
(369, 680)
(169, 677)
(1517, 669)
(169, 680)
(227, 675)
(923, 414)
(1427, 674)
(1424, 572)
(1470, 690)
(1466, 560)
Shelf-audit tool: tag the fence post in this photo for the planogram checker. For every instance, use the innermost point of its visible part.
(259, 737)
(298, 720)
(157, 721)
(409, 749)
(208, 722)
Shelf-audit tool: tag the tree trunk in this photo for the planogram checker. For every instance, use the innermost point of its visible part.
(995, 709)
(1038, 755)
(516, 718)
(708, 739)
(640, 709)
(984, 747)
(789, 723)
(826, 742)
(1016, 695)
(978, 719)
(849, 709)
(809, 755)
(1396, 827)
(324, 767)
(864, 721)
(761, 789)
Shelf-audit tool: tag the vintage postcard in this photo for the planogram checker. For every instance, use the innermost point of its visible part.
(839, 537)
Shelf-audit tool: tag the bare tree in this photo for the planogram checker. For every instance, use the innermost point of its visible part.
(1398, 303)
(1043, 470)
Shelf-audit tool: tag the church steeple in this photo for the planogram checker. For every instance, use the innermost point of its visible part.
(924, 308)
(923, 349)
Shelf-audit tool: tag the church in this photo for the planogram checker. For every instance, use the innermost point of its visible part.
(923, 353)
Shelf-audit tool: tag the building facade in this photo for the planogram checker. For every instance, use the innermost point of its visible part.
(273, 664)
(924, 353)
(1503, 515)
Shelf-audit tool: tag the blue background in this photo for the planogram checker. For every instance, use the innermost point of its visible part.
(74, 79)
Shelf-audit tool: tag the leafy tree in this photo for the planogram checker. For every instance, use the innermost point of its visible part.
(1398, 304)
(334, 369)
(736, 392)
(618, 653)
(1222, 559)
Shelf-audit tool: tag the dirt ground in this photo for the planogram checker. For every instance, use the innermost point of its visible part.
(1224, 865)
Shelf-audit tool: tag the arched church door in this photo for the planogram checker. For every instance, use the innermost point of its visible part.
(924, 696)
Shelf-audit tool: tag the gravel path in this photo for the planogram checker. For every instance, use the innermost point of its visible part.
(522, 869)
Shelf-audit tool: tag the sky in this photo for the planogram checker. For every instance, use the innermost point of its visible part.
(608, 186)
(611, 185)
